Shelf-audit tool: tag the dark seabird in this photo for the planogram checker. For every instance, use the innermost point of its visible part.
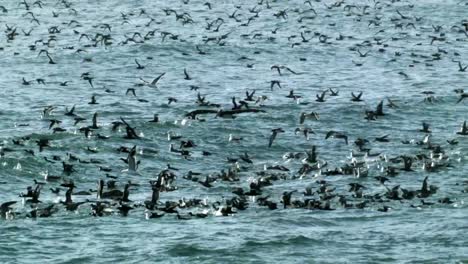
(333, 93)
(113, 194)
(379, 109)
(187, 76)
(286, 198)
(274, 133)
(139, 66)
(461, 68)
(5, 208)
(356, 98)
(463, 130)
(425, 128)
(462, 97)
(130, 90)
(155, 119)
(382, 138)
(336, 134)
(321, 98)
(95, 125)
(70, 112)
(93, 100)
(131, 160)
(249, 96)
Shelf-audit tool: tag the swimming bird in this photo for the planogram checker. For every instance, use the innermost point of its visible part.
(155, 119)
(93, 100)
(286, 198)
(113, 194)
(425, 128)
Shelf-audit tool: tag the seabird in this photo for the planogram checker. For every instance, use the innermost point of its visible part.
(139, 66)
(305, 131)
(321, 98)
(274, 133)
(155, 81)
(313, 115)
(155, 119)
(187, 77)
(463, 129)
(356, 98)
(425, 128)
(336, 134)
(131, 160)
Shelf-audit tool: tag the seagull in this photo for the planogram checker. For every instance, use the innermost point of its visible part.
(155, 81)
(313, 115)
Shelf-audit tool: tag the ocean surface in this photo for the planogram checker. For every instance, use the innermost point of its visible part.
(410, 60)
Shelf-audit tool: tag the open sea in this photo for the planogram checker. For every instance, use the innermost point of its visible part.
(411, 52)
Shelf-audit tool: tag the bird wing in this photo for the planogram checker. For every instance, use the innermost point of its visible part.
(156, 80)
(379, 109)
(272, 138)
(6, 205)
(330, 133)
(424, 185)
(302, 118)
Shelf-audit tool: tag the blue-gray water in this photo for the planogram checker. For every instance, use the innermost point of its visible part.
(407, 233)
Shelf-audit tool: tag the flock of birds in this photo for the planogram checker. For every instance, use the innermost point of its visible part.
(123, 187)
